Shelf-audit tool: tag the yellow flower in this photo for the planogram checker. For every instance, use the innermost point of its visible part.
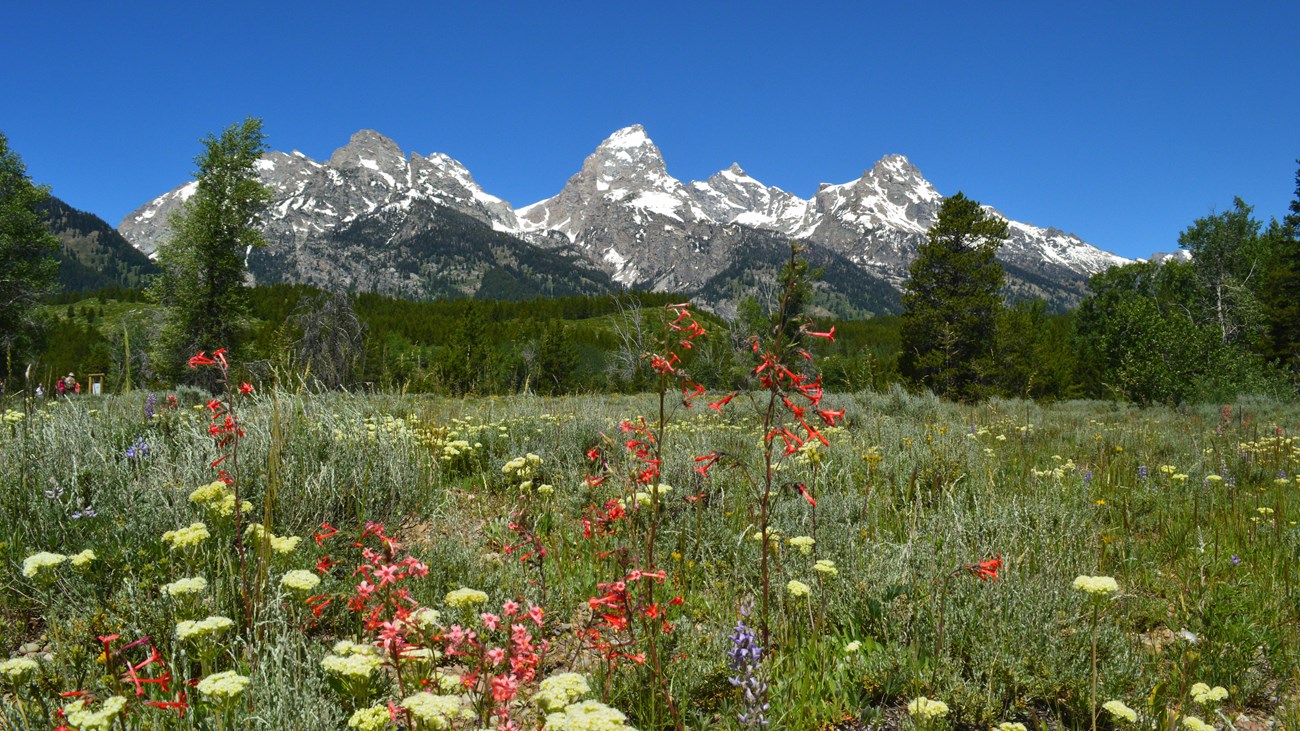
(39, 562)
(925, 708)
(798, 589)
(1192, 723)
(187, 537)
(300, 580)
(463, 597)
(1096, 586)
(223, 685)
(1120, 711)
(81, 560)
(373, 718)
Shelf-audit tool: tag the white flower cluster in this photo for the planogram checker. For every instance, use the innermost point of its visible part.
(560, 690)
(523, 470)
(463, 597)
(218, 499)
(352, 661)
(434, 711)
(925, 708)
(79, 714)
(1205, 695)
(191, 629)
(1096, 586)
(299, 580)
(39, 563)
(187, 537)
(257, 533)
(587, 716)
(185, 587)
(1120, 711)
(223, 685)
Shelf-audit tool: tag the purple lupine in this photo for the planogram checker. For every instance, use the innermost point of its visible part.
(1236, 559)
(1087, 475)
(1142, 472)
(150, 406)
(85, 511)
(137, 451)
(745, 659)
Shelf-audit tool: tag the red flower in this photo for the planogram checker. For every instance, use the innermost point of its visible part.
(324, 565)
(246, 388)
(987, 570)
(803, 490)
(830, 335)
(327, 531)
(201, 360)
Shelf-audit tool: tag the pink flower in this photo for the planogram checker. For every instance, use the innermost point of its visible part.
(365, 588)
(387, 574)
(535, 613)
(504, 688)
(496, 655)
(510, 607)
(491, 621)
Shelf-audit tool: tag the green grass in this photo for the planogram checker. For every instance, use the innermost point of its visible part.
(950, 485)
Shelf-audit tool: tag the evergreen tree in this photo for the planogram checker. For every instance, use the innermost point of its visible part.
(28, 266)
(556, 361)
(1280, 292)
(951, 303)
(201, 288)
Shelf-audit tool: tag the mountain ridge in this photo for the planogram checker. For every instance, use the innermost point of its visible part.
(623, 214)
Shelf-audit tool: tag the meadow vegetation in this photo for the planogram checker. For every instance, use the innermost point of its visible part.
(948, 537)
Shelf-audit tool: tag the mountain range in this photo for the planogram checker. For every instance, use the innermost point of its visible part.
(372, 218)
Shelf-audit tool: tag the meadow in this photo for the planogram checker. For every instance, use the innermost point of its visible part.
(929, 551)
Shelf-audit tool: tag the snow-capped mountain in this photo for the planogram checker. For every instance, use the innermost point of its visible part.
(623, 214)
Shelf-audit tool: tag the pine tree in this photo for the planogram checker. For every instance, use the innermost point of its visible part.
(951, 303)
(205, 302)
(28, 266)
(1280, 292)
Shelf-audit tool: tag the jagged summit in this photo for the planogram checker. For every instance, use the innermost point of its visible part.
(625, 214)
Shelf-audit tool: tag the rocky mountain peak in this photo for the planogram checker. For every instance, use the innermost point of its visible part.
(369, 149)
(627, 158)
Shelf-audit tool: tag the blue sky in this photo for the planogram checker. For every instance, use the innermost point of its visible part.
(1121, 122)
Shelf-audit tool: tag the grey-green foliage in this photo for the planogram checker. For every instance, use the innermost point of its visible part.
(27, 248)
(202, 282)
(1228, 260)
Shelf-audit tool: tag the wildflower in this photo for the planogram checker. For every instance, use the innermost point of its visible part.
(199, 629)
(1010, 726)
(137, 451)
(1235, 559)
(987, 570)
(560, 690)
(1205, 695)
(83, 559)
(299, 580)
(78, 714)
(426, 618)
(223, 685)
(803, 543)
(185, 587)
(357, 665)
(826, 566)
(37, 563)
(435, 711)
(370, 719)
(17, 669)
(853, 647)
(586, 716)
(1120, 711)
(925, 709)
(463, 597)
(187, 537)
(1097, 587)
(85, 511)
(797, 589)
(1192, 723)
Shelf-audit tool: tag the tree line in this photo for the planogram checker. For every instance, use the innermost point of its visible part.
(1225, 321)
